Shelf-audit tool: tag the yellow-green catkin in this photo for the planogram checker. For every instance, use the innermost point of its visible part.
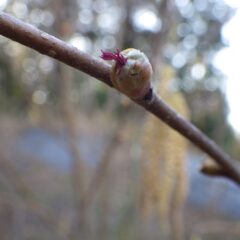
(164, 176)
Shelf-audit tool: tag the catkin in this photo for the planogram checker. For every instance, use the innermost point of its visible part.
(163, 170)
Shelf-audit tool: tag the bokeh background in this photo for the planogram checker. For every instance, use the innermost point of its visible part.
(80, 161)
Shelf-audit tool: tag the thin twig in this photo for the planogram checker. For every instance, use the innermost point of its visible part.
(212, 169)
(51, 46)
(44, 43)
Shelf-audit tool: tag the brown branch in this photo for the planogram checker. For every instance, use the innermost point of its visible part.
(51, 46)
(212, 169)
(55, 48)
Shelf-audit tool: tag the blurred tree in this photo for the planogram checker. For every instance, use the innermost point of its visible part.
(101, 24)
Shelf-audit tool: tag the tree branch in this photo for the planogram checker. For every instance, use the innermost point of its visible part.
(212, 169)
(46, 44)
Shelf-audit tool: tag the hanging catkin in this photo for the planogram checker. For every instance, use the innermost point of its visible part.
(163, 171)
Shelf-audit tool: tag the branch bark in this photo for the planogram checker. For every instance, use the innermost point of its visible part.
(46, 44)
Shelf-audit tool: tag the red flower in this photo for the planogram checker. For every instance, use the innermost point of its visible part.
(117, 56)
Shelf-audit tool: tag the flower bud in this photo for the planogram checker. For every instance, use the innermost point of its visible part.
(131, 72)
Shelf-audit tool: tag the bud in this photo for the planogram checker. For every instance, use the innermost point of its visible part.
(131, 72)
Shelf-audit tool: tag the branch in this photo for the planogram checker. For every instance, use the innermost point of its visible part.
(212, 169)
(44, 43)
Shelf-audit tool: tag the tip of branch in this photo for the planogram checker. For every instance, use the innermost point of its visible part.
(212, 169)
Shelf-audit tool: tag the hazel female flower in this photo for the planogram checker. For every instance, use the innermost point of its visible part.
(131, 72)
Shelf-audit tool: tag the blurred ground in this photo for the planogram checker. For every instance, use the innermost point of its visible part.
(38, 158)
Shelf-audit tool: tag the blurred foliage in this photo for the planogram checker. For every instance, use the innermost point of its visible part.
(28, 79)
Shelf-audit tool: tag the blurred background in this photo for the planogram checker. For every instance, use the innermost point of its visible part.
(79, 161)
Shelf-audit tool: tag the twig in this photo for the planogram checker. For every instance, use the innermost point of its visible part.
(51, 46)
(212, 169)
(44, 43)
